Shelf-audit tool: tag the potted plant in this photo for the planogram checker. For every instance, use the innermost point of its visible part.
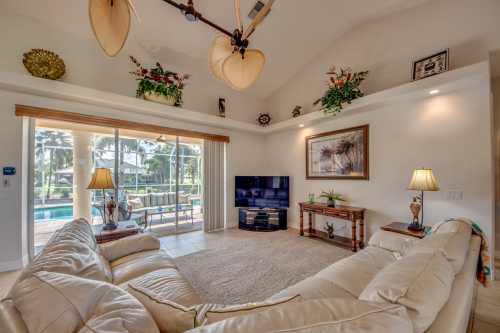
(158, 84)
(331, 197)
(343, 87)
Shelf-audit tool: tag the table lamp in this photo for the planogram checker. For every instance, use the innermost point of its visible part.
(422, 180)
(102, 180)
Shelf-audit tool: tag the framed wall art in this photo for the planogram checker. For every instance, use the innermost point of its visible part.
(429, 66)
(341, 154)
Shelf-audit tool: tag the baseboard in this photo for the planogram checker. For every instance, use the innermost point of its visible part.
(13, 265)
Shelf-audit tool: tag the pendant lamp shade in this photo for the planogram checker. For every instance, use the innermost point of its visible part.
(241, 72)
(110, 21)
(221, 49)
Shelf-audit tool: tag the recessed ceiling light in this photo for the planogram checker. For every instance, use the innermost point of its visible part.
(301, 125)
(434, 92)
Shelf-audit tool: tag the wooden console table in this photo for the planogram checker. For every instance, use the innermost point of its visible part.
(353, 214)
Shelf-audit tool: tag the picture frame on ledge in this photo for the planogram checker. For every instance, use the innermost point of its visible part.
(431, 65)
(340, 154)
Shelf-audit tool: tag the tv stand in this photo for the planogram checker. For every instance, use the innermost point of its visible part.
(263, 219)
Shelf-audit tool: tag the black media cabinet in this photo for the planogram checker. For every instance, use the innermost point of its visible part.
(263, 219)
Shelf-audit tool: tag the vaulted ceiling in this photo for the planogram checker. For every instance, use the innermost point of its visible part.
(292, 35)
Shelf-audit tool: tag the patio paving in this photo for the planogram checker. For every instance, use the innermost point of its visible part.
(160, 226)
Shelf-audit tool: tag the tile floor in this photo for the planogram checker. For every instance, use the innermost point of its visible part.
(487, 312)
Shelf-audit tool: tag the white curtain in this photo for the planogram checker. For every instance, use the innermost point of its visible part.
(214, 183)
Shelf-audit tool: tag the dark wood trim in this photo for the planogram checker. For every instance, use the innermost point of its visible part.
(353, 214)
(366, 134)
(80, 118)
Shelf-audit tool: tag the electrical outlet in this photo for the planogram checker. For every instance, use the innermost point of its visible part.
(455, 195)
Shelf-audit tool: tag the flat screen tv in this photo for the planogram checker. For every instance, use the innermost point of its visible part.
(262, 191)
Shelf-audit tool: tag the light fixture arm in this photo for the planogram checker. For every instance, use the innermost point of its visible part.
(183, 8)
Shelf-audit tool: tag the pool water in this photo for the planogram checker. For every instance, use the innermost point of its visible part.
(58, 213)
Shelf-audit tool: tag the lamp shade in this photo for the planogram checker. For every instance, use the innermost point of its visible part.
(101, 179)
(423, 180)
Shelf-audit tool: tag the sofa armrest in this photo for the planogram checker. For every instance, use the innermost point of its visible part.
(392, 241)
(129, 245)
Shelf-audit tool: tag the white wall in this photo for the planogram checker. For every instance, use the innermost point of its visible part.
(388, 46)
(449, 133)
(88, 66)
(244, 156)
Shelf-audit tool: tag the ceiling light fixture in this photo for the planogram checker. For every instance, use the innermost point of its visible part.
(110, 21)
(229, 57)
(434, 92)
(301, 125)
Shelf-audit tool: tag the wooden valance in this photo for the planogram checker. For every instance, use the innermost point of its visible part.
(79, 118)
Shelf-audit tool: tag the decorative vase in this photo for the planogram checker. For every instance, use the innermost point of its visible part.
(159, 98)
(330, 203)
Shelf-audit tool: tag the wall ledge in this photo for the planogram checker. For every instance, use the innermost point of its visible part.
(446, 82)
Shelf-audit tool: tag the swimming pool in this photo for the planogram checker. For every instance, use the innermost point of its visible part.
(58, 213)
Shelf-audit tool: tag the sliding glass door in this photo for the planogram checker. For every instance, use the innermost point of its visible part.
(158, 178)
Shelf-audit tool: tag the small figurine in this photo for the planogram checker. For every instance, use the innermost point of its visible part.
(296, 111)
(111, 205)
(330, 230)
(415, 208)
(222, 107)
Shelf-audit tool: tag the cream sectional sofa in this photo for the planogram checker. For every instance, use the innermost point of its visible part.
(396, 284)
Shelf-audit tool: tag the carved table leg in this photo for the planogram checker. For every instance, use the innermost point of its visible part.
(361, 233)
(353, 235)
(301, 222)
(310, 222)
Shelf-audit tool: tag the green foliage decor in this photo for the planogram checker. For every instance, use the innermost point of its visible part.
(331, 196)
(343, 87)
(160, 81)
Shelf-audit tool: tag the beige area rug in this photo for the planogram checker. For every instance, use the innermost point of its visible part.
(244, 266)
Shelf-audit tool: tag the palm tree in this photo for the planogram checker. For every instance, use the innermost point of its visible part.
(58, 158)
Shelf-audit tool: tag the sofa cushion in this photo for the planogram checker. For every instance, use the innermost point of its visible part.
(314, 287)
(136, 203)
(167, 284)
(355, 272)
(391, 241)
(73, 258)
(144, 198)
(138, 264)
(53, 302)
(171, 198)
(129, 245)
(320, 315)
(169, 316)
(78, 230)
(453, 245)
(172, 317)
(158, 199)
(212, 313)
(421, 282)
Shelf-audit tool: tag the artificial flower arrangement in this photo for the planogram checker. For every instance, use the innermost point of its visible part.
(158, 84)
(343, 87)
